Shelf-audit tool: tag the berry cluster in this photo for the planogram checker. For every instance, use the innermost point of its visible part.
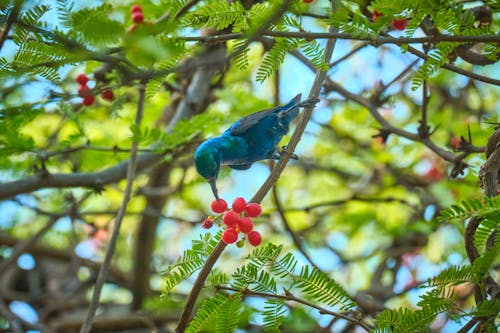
(84, 91)
(137, 17)
(398, 24)
(87, 94)
(236, 220)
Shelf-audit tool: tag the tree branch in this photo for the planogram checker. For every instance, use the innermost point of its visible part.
(295, 237)
(211, 260)
(290, 297)
(131, 172)
(9, 22)
(374, 40)
(94, 180)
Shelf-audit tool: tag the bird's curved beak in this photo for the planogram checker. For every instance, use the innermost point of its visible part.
(214, 188)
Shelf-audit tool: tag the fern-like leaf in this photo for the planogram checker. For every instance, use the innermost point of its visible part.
(452, 276)
(262, 255)
(229, 314)
(460, 212)
(89, 23)
(482, 265)
(487, 225)
(255, 278)
(275, 57)
(207, 312)
(190, 261)
(284, 266)
(29, 19)
(321, 288)
(219, 14)
(314, 53)
(273, 315)
(241, 58)
(217, 278)
(437, 58)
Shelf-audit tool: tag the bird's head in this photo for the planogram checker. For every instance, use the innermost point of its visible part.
(207, 159)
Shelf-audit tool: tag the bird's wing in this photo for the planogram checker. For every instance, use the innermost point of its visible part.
(242, 125)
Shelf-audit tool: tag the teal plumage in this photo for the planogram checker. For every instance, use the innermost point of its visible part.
(250, 139)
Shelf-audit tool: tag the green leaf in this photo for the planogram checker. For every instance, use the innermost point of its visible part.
(88, 24)
(321, 288)
(273, 315)
(452, 276)
(208, 311)
(229, 314)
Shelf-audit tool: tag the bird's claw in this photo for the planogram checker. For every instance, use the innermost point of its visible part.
(309, 102)
(284, 149)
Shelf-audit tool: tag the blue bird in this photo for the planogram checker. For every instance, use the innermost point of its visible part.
(250, 139)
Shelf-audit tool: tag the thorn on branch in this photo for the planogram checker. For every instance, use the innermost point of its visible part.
(424, 130)
(459, 167)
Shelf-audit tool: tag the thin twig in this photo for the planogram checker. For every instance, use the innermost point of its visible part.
(131, 171)
(470, 324)
(456, 69)
(9, 22)
(350, 199)
(397, 78)
(353, 51)
(295, 237)
(290, 297)
(423, 129)
(375, 40)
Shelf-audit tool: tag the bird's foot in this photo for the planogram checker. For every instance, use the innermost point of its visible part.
(284, 150)
(309, 102)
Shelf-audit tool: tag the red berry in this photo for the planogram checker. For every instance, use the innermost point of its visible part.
(399, 24)
(207, 223)
(219, 206)
(84, 91)
(88, 100)
(308, 1)
(376, 15)
(108, 94)
(455, 142)
(239, 205)
(138, 17)
(230, 218)
(245, 225)
(229, 236)
(253, 209)
(434, 174)
(82, 79)
(254, 238)
(136, 9)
